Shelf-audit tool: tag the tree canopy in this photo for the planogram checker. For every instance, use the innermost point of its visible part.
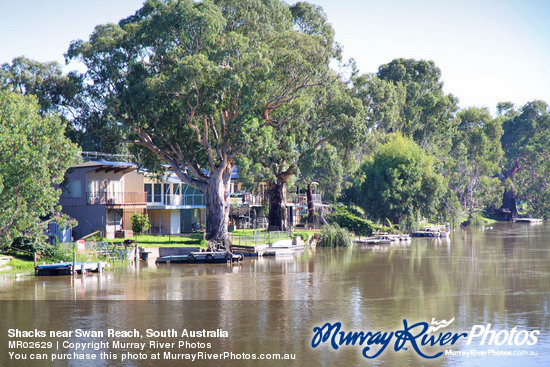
(194, 80)
(34, 155)
(399, 182)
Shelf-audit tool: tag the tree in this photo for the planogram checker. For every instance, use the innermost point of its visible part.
(526, 143)
(399, 182)
(194, 80)
(34, 155)
(474, 159)
(45, 80)
(426, 114)
(319, 131)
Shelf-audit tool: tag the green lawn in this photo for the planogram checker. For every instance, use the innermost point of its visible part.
(196, 239)
(190, 240)
(19, 265)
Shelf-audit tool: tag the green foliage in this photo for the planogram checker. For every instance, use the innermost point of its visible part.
(53, 90)
(34, 155)
(399, 182)
(332, 236)
(198, 83)
(412, 102)
(347, 218)
(305, 236)
(526, 143)
(140, 222)
(474, 160)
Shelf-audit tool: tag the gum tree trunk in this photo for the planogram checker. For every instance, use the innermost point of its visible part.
(310, 206)
(509, 207)
(277, 205)
(216, 195)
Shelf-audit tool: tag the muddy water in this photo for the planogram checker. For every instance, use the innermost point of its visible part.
(499, 276)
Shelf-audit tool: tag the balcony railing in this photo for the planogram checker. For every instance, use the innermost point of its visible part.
(301, 199)
(246, 199)
(177, 200)
(116, 198)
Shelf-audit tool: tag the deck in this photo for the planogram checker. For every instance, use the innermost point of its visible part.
(67, 268)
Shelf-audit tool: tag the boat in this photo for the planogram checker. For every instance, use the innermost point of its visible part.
(426, 233)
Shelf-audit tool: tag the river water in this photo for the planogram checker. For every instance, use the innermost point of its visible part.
(495, 281)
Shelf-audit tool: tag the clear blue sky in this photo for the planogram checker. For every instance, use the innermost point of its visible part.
(488, 50)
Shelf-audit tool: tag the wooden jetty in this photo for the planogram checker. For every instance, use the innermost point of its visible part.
(68, 269)
(281, 248)
(200, 257)
(382, 239)
(247, 250)
(527, 220)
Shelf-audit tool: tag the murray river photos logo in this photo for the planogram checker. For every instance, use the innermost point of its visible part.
(419, 337)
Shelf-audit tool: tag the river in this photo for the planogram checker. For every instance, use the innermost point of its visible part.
(494, 281)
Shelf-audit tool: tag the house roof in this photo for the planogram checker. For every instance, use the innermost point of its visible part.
(105, 165)
(108, 166)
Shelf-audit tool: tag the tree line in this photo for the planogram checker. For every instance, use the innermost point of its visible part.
(203, 87)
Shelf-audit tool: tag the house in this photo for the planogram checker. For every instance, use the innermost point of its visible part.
(173, 206)
(103, 195)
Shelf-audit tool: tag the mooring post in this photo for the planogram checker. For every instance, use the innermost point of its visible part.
(74, 262)
(99, 267)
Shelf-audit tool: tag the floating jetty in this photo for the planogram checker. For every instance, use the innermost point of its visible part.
(67, 268)
(281, 248)
(200, 257)
(382, 239)
(430, 233)
(527, 220)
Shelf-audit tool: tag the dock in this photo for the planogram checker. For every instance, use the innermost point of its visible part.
(281, 248)
(67, 268)
(200, 257)
(527, 220)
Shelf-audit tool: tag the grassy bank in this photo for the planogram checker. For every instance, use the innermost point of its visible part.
(147, 241)
(18, 265)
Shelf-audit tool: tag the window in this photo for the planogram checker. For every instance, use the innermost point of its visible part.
(73, 189)
(167, 194)
(157, 193)
(149, 191)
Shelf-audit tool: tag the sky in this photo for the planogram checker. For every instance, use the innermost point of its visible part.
(488, 51)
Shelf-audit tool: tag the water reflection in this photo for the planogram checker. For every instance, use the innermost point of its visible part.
(497, 276)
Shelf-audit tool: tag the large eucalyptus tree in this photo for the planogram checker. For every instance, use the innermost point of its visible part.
(196, 80)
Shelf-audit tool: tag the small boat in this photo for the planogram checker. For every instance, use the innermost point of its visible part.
(425, 233)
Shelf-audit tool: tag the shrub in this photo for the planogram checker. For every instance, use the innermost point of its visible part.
(333, 236)
(359, 226)
(140, 222)
(304, 235)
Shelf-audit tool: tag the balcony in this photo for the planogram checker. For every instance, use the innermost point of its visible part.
(116, 198)
(176, 200)
(301, 199)
(246, 198)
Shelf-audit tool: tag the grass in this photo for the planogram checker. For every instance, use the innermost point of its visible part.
(19, 265)
(264, 236)
(191, 240)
